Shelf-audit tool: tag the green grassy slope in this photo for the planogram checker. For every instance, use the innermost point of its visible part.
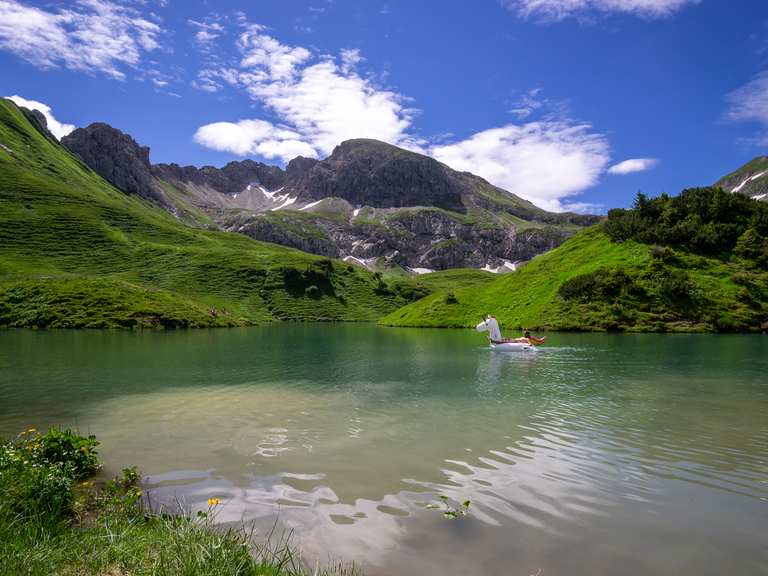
(522, 298)
(455, 278)
(592, 283)
(76, 252)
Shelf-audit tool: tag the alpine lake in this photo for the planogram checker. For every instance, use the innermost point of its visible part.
(640, 454)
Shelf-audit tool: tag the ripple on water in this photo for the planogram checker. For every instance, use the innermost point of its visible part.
(604, 451)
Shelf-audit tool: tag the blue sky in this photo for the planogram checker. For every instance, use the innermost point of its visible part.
(570, 103)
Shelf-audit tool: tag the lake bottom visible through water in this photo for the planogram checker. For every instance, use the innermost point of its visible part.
(597, 454)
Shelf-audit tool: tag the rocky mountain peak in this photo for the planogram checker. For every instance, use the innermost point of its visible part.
(299, 166)
(373, 173)
(231, 179)
(117, 158)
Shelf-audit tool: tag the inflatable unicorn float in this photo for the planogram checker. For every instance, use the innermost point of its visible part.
(491, 325)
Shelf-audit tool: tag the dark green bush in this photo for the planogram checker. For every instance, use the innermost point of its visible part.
(410, 291)
(312, 291)
(703, 220)
(663, 253)
(743, 278)
(603, 282)
(753, 246)
(676, 286)
(450, 298)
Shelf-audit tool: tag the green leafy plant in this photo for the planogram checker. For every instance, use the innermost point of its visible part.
(67, 449)
(450, 512)
(37, 471)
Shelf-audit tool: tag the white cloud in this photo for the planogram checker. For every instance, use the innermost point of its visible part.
(543, 162)
(633, 165)
(90, 35)
(324, 100)
(350, 57)
(207, 32)
(319, 101)
(750, 102)
(56, 128)
(262, 52)
(527, 104)
(253, 137)
(561, 9)
(328, 106)
(584, 207)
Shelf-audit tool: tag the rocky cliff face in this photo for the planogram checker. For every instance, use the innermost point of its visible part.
(415, 238)
(231, 179)
(372, 173)
(117, 158)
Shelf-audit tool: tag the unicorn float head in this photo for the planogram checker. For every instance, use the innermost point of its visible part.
(491, 325)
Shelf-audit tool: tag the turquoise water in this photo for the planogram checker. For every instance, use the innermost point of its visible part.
(599, 454)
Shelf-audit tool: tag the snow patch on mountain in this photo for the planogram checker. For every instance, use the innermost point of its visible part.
(310, 205)
(748, 180)
(506, 266)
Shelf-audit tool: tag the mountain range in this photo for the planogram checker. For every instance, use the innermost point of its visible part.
(93, 235)
(76, 252)
(370, 203)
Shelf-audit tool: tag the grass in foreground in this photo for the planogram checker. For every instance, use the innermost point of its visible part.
(53, 520)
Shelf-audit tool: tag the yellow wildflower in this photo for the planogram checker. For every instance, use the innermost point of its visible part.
(213, 502)
(31, 430)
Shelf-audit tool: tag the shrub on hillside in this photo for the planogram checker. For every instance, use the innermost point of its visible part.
(702, 220)
(410, 292)
(663, 253)
(312, 291)
(602, 283)
(676, 286)
(753, 246)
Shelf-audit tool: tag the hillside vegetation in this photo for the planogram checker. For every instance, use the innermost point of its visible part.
(76, 252)
(696, 262)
